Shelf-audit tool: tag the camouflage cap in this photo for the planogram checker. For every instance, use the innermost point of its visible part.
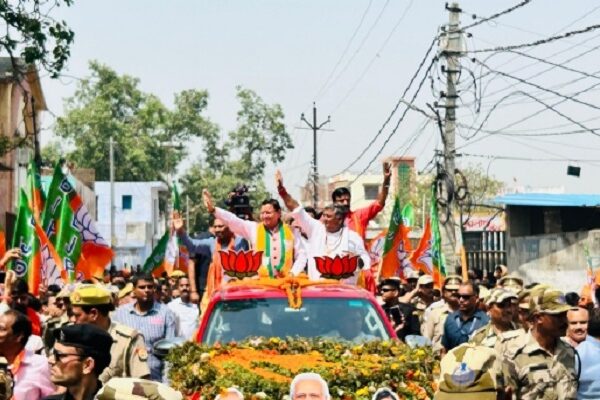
(467, 373)
(511, 281)
(134, 389)
(484, 293)
(498, 295)
(547, 300)
(452, 282)
(90, 295)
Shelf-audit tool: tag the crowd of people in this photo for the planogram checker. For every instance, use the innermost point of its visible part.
(96, 338)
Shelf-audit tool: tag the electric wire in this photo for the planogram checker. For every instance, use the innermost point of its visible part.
(389, 118)
(499, 14)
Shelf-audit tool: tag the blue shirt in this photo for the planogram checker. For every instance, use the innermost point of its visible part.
(458, 331)
(156, 324)
(589, 378)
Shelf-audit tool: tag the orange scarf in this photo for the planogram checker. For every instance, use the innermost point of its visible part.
(214, 277)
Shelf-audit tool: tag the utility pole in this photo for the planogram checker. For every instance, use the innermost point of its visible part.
(187, 212)
(112, 193)
(315, 128)
(451, 50)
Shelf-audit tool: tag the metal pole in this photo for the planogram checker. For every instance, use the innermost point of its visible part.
(112, 193)
(315, 167)
(315, 128)
(187, 212)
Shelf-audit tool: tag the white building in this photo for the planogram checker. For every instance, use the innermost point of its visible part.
(138, 222)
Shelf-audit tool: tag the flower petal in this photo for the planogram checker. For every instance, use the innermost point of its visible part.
(337, 268)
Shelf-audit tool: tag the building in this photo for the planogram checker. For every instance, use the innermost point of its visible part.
(138, 221)
(21, 103)
(548, 235)
(365, 188)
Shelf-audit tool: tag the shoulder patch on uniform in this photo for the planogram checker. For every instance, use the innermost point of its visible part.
(125, 331)
(141, 353)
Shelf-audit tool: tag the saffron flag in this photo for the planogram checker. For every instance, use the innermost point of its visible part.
(156, 264)
(25, 238)
(2, 243)
(428, 256)
(590, 284)
(396, 248)
(69, 226)
(35, 194)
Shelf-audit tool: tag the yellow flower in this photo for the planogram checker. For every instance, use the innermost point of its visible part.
(274, 340)
(420, 353)
(364, 391)
(394, 366)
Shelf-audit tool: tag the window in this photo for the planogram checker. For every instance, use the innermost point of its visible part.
(126, 202)
(371, 192)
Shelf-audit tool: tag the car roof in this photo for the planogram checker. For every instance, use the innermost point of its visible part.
(250, 291)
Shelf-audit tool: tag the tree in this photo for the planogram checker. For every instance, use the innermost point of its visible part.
(260, 136)
(150, 140)
(30, 33)
(479, 184)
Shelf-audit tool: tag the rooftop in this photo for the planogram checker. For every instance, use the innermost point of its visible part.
(549, 200)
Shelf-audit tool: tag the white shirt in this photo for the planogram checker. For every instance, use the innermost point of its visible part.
(249, 231)
(322, 243)
(187, 317)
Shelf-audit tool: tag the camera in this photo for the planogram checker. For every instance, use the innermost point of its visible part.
(239, 202)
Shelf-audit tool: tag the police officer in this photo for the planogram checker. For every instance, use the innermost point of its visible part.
(424, 297)
(92, 304)
(499, 309)
(539, 365)
(436, 313)
(58, 317)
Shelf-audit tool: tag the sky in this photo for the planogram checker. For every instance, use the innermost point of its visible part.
(354, 58)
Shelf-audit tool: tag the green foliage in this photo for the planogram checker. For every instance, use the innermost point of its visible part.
(30, 33)
(149, 139)
(260, 136)
(52, 153)
(481, 186)
(263, 368)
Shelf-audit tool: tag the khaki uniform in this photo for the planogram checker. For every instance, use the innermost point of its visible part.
(533, 373)
(433, 326)
(486, 336)
(420, 308)
(128, 354)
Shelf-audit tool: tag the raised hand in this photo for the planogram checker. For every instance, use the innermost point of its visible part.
(177, 222)
(208, 201)
(387, 171)
(278, 179)
(11, 254)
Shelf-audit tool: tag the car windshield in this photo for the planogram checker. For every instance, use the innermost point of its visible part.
(343, 319)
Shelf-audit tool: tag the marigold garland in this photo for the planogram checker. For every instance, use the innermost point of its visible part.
(263, 368)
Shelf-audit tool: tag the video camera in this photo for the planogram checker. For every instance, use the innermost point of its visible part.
(238, 202)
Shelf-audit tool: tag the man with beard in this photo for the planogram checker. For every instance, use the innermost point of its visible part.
(224, 239)
(400, 315)
(358, 220)
(328, 238)
(149, 317)
(185, 311)
(500, 310)
(578, 326)
(92, 304)
(81, 352)
(539, 365)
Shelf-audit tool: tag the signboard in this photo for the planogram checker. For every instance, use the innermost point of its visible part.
(489, 223)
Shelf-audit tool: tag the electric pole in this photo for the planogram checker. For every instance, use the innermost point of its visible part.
(315, 128)
(112, 192)
(451, 49)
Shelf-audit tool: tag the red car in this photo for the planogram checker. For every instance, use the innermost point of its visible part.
(337, 311)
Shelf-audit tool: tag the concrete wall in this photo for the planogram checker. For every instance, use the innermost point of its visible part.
(138, 229)
(558, 259)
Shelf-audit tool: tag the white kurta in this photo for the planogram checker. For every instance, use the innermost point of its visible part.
(322, 243)
(249, 231)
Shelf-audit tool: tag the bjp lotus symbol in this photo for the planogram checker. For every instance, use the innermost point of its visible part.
(338, 267)
(241, 264)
